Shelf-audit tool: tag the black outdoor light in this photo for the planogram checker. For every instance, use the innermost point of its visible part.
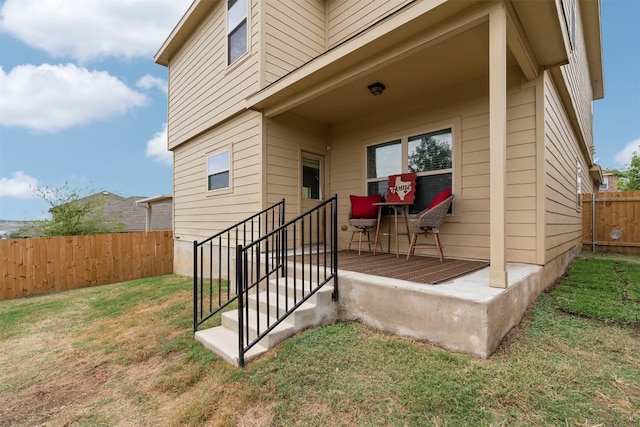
(376, 88)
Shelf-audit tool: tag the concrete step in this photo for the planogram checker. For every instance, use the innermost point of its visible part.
(279, 302)
(224, 343)
(288, 288)
(284, 330)
(318, 309)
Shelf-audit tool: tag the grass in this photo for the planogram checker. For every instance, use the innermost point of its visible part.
(124, 354)
(602, 288)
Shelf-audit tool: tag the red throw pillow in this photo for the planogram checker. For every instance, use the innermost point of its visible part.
(440, 197)
(362, 206)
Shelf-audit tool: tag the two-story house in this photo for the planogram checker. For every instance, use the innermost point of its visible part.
(296, 100)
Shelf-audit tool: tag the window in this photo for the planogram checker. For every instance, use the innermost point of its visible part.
(311, 175)
(429, 155)
(236, 29)
(578, 186)
(605, 184)
(218, 173)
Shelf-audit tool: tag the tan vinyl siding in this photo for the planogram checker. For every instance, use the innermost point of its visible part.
(348, 17)
(472, 234)
(577, 79)
(563, 218)
(466, 233)
(203, 89)
(199, 213)
(287, 137)
(294, 33)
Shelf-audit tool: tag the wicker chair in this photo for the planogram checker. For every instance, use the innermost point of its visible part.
(362, 227)
(429, 221)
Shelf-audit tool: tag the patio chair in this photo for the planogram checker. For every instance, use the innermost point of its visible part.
(429, 221)
(363, 217)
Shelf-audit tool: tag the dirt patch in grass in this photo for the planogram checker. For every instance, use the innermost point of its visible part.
(52, 396)
(83, 366)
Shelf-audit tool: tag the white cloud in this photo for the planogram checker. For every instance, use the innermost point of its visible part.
(157, 147)
(54, 97)
(19, 186)
(148, 82)
(87, 30)
(623, 157)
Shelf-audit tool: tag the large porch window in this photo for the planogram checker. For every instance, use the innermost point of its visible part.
(429, 155)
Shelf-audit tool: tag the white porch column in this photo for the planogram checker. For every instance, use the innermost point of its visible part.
(498, 144)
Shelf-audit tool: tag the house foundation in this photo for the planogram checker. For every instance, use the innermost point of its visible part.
(464, 315)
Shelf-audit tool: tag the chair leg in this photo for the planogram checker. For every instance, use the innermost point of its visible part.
(437, 239)
(366, 233)
(353, 233)
(412, 245)
(414, 242)
(375, 247)
(360, 243)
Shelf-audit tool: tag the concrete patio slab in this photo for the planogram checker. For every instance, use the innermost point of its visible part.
(464, 314)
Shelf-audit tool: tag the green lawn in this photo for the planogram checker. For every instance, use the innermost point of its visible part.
(124, 354)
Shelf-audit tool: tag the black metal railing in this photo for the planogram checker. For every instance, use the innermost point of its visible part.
(214, 265)
(270, 291)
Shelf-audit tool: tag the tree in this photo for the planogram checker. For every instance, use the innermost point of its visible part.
(629, 179)
(72, 214)
(430, 155)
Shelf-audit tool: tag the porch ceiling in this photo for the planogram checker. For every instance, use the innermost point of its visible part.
(422, 73)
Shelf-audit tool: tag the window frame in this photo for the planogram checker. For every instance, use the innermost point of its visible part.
(452, 126)
(209, 173)
(578, 186)
(231, 30)
(604, 185)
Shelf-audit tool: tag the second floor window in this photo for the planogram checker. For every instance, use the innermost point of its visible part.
(236, 29)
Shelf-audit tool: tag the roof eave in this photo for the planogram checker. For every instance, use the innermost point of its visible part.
(192, 18)
(593, 41)
(155, 199)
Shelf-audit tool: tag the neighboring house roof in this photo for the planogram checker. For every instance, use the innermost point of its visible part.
(132, 215)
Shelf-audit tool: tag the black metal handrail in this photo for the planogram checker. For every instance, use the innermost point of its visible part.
(212, 261)
(310, 243)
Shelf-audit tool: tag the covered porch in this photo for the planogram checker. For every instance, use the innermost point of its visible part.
(464, 71)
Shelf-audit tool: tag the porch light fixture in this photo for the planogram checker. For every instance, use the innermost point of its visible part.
(376, 88)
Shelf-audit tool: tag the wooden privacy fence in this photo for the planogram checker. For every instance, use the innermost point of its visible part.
(605, 213)
(41, 265)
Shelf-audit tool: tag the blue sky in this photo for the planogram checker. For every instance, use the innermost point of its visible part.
(83, 103)
(81, 99)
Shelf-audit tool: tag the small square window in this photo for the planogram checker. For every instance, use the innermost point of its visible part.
(218, 171)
